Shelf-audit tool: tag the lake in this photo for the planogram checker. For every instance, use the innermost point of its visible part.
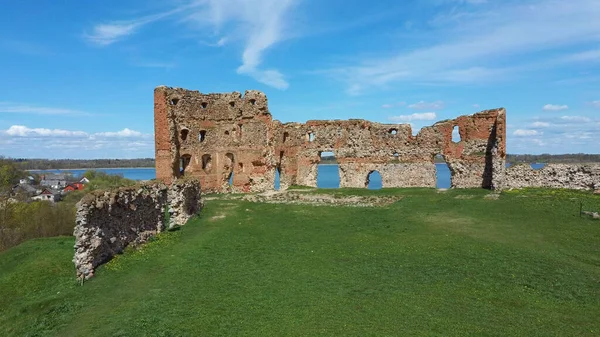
(328, 175)
(134, 173)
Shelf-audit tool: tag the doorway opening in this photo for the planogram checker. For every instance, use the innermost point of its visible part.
(374, 181)
(328, 172)
(443, 175)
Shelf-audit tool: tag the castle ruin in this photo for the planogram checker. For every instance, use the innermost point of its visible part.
(218, 138)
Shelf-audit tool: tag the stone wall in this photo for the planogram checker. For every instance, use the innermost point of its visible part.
(571, 176)
(109, 221)
(223, 138)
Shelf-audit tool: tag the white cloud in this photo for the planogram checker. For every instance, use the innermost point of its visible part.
(23, 131)
(9, 107)
(474, 46)
(555, 107)
(476, 106)
(540, 124)
(526, 133)
(595, 104)
(123, 133)
(22, 141)
(422, 105)
(105, 34)
(576, 119)
(425, 116)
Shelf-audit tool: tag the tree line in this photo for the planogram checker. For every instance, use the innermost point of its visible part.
(52, 164)
(22, 219)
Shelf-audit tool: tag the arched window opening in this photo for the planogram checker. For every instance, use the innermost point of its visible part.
(310, 136)
(252, 101)
(206, 162)
(184, 161)
(202, 136)
(456, 134)
(204, 105)
(393, 131)
(174, 101)
(374, 181)
(232, 104)
(286, 135)
(184, 134)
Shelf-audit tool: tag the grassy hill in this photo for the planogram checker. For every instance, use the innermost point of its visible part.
(450, 264)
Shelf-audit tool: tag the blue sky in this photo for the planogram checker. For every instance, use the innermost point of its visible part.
(77, 77)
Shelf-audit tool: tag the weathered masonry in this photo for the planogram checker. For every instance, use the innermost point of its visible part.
(231, 143)
(109, 221)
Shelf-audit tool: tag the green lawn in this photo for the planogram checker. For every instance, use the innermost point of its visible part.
(445, 264)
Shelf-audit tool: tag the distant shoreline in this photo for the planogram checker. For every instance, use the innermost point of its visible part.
(95, 168)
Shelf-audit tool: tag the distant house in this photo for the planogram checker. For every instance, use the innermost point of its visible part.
(25, 189)
(56, 181)
(73, 187)
(28, 180)
(47, 195)
(84, 180)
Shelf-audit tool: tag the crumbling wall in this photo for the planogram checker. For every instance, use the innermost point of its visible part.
(231, 144)
(571, 176)
(109, 221)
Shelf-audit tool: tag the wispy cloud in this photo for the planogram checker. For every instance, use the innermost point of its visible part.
(576, 119)
(8, 107)
(425, 116)
(586, 56)
(123, 133)
(555, 107)
(261, 24)
(526, 133)
(473, 48)
(105, 34)
(595, 104)
(422, 105)
(540, 124)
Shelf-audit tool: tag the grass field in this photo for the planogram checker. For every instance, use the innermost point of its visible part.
(446, 264)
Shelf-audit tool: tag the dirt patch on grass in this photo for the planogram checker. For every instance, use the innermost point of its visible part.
(217, 217)
(302, 198)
